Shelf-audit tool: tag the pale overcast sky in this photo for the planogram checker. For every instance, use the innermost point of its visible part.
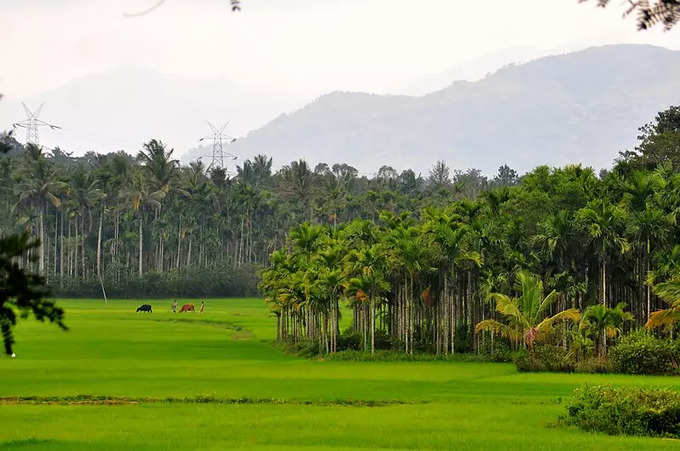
(274, 56)
(308, 46)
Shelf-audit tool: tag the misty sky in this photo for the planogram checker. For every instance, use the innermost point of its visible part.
(310, 46)
(282, 53)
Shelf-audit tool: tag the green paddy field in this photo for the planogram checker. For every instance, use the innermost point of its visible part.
(120, 380)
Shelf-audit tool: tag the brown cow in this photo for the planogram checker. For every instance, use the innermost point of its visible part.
(187, 308)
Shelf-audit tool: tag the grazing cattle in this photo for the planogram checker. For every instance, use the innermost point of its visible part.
(187, 308)
(144, 308)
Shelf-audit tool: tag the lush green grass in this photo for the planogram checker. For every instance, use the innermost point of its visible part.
(285, 402)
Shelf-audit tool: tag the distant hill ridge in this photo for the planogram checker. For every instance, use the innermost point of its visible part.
(577, 107)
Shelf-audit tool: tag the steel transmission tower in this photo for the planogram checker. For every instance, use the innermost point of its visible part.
(32, 124)
(218, 139)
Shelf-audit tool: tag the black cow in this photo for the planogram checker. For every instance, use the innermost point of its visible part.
(144, 308)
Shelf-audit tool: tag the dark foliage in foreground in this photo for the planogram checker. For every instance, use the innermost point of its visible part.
(650, 13)
(21, 290)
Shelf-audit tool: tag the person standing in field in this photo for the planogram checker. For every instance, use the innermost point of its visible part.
(174, 306)
(202, 306)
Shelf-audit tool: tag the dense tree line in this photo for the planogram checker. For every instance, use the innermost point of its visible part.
(143, 225)
(511, 260)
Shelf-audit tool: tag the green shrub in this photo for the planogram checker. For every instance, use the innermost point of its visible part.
(634, 411)
(500, 351)
(349, 341)
(544, 358)
(641, 353)
(594, 365)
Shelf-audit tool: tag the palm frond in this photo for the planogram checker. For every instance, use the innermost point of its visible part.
(547, 302)
(509, 307)
(491, 325)
(669, 291)
(572, 315)
(663, 319)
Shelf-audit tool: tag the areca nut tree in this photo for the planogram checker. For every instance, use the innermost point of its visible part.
(604, 322)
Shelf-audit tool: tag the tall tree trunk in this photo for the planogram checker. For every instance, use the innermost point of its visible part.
(61, 251)
(189, 251)
(74, 263)
(99, 244)
(56, 242)
(82, 242)
(240, 244)
(99, 254)
(372, 326)
(179, 241)
(41, 260)
(141, 240)
(649, 298)
(604, 302)
(114, 248)
(604, 283)
(160, 252)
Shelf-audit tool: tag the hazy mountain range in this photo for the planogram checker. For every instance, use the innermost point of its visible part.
(471, 70)
(578, 107)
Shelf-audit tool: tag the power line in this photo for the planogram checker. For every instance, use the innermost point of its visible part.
(32, 124)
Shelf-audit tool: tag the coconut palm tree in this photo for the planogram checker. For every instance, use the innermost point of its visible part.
(255, 173)
(140, 195)
(38, 186)
(297, 183)
(528, 316)
(162, 169)
(85, 195)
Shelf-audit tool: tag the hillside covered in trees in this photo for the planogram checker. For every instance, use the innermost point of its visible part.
(581, 107)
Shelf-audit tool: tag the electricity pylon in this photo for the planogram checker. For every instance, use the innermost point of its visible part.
(32, 123)
(218, 139)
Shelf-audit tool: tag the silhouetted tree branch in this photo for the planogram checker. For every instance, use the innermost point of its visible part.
(649, 14)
